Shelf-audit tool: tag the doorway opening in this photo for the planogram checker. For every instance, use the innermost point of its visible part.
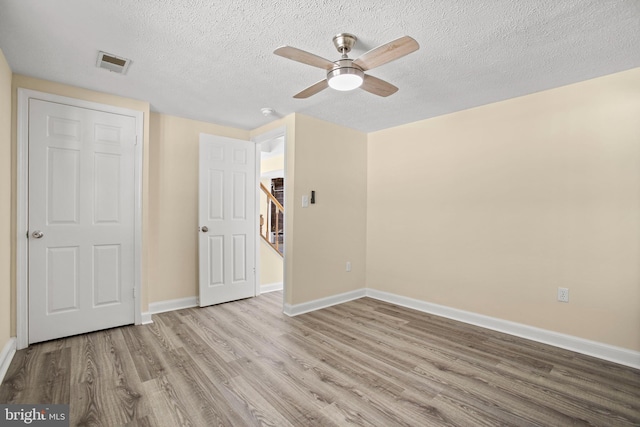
(272, 205)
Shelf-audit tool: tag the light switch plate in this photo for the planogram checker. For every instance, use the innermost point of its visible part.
(305, 201)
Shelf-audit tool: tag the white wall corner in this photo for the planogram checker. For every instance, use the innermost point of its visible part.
(271, 287)
(599, 350)
(306, 307)
(6, 356)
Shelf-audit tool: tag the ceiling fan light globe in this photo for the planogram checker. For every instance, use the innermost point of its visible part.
(345, 79)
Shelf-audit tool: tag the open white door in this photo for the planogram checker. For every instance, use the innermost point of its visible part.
(227, 219)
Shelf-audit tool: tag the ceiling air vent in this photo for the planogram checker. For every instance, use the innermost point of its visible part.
(113, 63)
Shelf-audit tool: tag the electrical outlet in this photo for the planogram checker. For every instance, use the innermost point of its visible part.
(563, 294)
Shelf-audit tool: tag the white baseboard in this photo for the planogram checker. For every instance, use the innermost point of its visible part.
(180, 303)
(296, 309)
(171, 305)
(146, 318)
(270, 287)
(603, 351)
(6, 356)
(608, 352)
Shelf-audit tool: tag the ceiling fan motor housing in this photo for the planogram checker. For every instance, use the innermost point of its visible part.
(345, 75)
(344, 42)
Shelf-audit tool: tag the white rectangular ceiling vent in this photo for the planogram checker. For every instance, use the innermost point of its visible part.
(113, 63)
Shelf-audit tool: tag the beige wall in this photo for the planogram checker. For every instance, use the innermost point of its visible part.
(173, 195)
(320, 239)
(487, 210)
(332, 160)
(490, 210)
(275, 163)
(271, 265)
(5, 202)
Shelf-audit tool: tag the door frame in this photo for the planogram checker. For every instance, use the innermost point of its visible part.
(259, 139)
(256, 222)
(22, 202)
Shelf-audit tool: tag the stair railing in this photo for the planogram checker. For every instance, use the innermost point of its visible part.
(272, 222)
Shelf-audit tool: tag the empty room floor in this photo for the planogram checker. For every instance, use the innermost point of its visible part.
(365, 363)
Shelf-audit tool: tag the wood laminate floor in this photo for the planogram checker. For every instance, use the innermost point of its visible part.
(365, 363)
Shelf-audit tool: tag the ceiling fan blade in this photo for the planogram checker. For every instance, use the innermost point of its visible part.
(303, 56)
(313, 89)
(377, 86)
(387, 52)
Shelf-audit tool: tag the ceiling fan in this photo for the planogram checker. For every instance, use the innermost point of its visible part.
(346, 73)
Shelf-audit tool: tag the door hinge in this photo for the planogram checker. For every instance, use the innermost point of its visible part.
(135, 294)
(136, 140)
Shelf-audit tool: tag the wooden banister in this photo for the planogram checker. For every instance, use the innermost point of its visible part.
(272, 198)
(271, 221)
(275, 248)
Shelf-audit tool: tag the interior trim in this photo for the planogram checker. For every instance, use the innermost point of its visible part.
(171, 305)
(6, 356)
(306, 307)
(264, 138)
(271, 287)
(146, 318)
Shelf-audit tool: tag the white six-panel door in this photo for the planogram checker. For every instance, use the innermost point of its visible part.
(81, 220)
(227, 219)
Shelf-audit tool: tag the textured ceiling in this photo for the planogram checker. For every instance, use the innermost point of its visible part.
(212, 60)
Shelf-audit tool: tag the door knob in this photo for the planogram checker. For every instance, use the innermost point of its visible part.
(205, 229)
(37, 234)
